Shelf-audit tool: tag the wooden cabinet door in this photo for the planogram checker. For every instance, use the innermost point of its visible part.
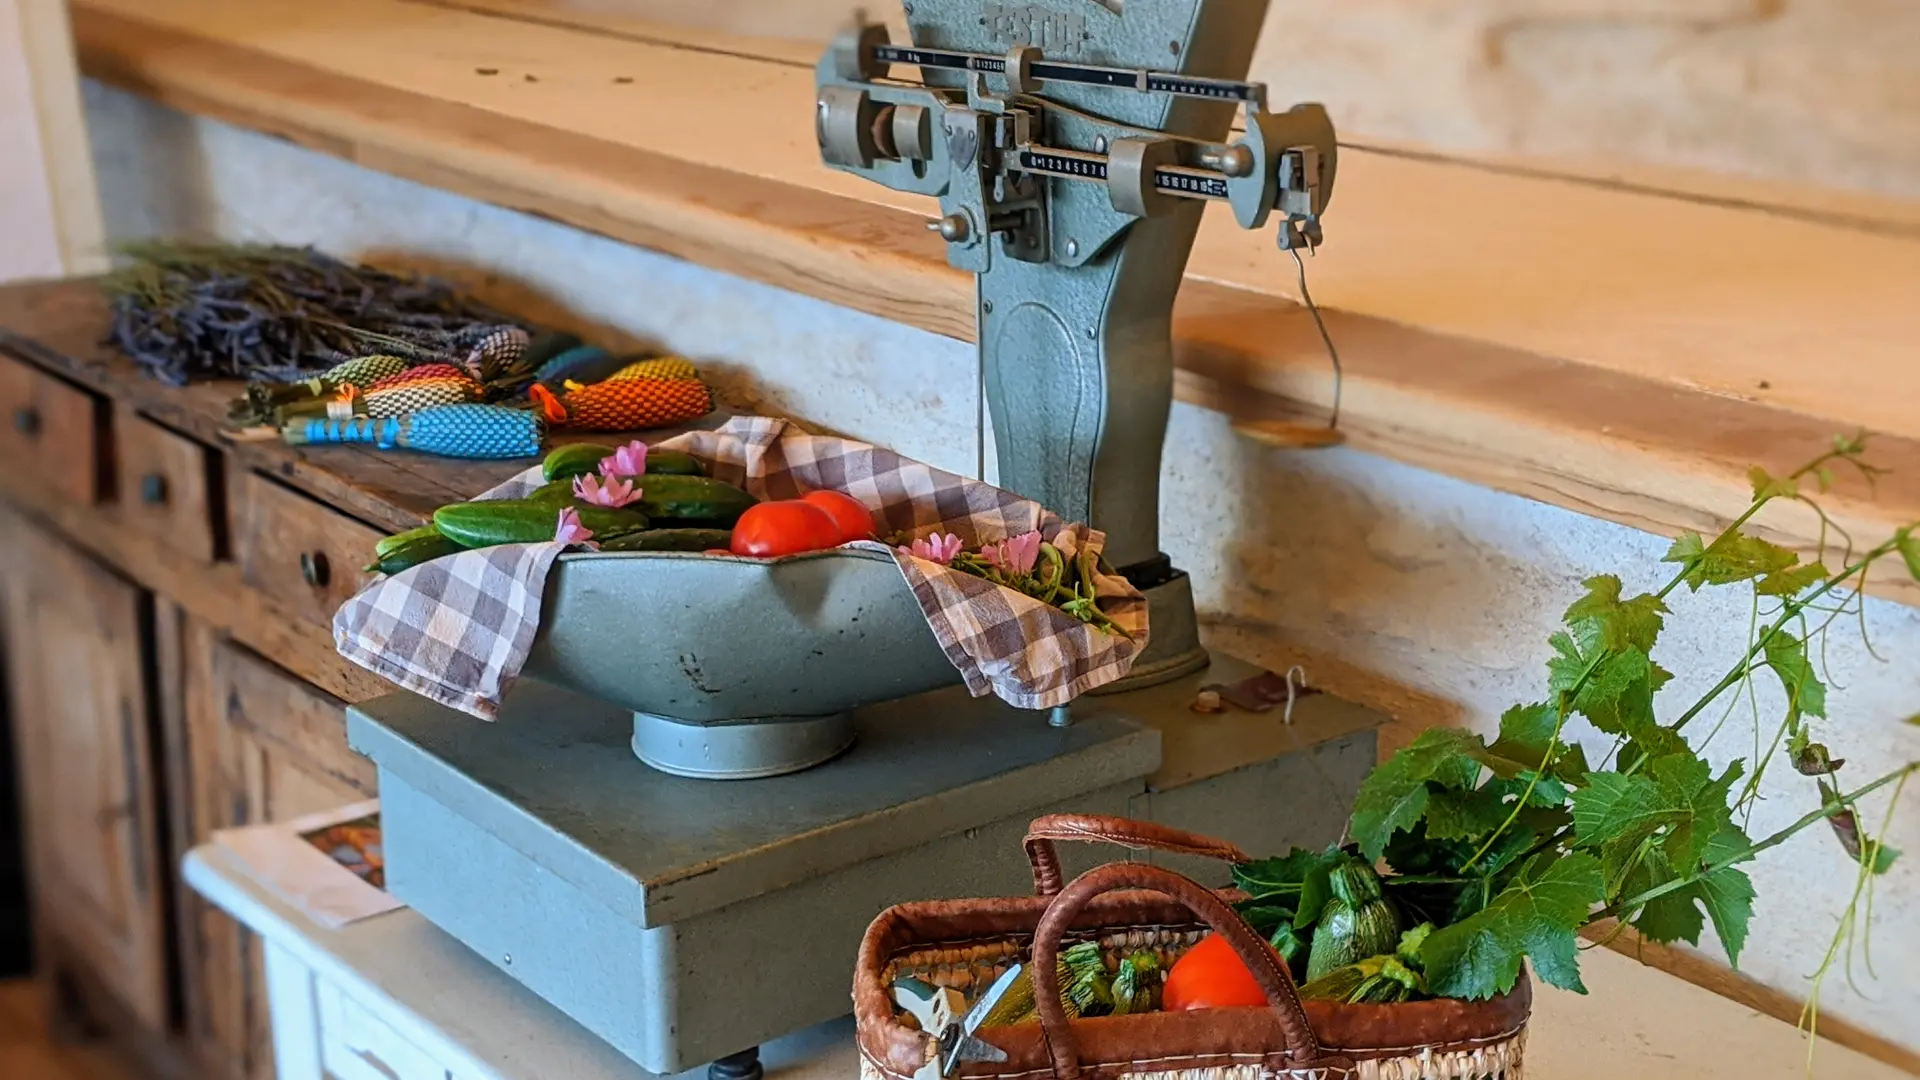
(78, 656)
(261, 746)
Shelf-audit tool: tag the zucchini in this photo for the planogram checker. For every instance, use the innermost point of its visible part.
(527, 521)
(414, 552)
(1356, 923)
(670, 540)
(398, 540)
(694, 499)
(574, 459)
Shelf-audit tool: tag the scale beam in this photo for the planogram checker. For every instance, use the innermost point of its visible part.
(1141, 79)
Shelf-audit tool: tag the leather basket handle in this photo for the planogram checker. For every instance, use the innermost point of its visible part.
(1126, 832)
(1302, 1044)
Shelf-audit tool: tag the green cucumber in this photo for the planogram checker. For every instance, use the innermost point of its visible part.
(670, 540)
(693, 499)
(527, 521)
(399, 540)
(580, 459)
(414, 552)
(574, 459)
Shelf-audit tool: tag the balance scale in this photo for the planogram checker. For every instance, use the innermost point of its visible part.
(814, 758)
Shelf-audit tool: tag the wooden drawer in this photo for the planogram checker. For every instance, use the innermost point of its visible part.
(168, 487)
(51, 433)
(356, 1043)
(298, 551)
(291, 721)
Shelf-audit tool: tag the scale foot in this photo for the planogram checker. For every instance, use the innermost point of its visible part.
(744, 1065)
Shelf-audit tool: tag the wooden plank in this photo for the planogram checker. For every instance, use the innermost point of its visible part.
(49, 208)
(1596, 425)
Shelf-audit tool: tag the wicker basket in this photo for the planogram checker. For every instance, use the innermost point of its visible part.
(1131, 906)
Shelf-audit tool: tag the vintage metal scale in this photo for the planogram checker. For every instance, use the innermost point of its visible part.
(1072, 145)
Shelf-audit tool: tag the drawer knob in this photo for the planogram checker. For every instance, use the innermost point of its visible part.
(315, 569)
(153, 489)
(26, 421)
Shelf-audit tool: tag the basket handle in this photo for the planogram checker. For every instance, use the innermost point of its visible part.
(1302, 1044)
(1112, 830)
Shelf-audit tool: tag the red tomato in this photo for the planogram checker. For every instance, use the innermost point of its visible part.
(1210, 976)
(850, 514)
(788, 527)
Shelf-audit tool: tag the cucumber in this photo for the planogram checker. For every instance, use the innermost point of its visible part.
(414, 552)
(556, 493)
(579, 459)
(527, 521)
(399, 540)
(693, 499)
(670, 540)
(673, 463)
(576, 459)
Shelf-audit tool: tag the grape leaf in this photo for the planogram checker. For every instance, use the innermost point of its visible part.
(1675, 916)
(1617, 624)
(1279, 880)
(1616, 809)
(1535, 916)
(1792, 581)
(1265, 917)
(1394, 795)
(1787, 656)
(1698, 801)
(1617, 696)
(1910, 551)
(1526, 731)
(1467, 815)
(1734, 558)
(1767, 486)
(1727, 893)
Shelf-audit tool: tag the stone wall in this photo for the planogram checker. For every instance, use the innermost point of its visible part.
(1423, 595)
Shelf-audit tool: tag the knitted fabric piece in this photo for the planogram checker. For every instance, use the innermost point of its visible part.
(421, 394)
(415, 374)
(635, 404)
(472, 431)
(582, 363)
(662, 367)
(497, 352)
(363, 371)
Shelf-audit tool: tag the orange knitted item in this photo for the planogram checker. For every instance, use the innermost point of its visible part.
(626, 405)
(415, 374)
(660, 367)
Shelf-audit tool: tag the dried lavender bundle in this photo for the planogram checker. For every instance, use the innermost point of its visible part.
(185, 311)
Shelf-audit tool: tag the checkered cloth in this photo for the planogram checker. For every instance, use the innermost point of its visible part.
(458, 629)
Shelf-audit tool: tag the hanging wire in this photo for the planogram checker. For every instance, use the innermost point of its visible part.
(1333, 354)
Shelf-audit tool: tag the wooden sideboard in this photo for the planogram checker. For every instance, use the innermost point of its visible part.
(166, 596)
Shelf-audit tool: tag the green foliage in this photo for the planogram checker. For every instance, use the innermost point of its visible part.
(1508, 849)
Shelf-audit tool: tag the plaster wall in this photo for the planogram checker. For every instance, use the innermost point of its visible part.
(1425, 596)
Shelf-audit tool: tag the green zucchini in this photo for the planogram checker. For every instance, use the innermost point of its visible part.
(527, 521)
(695, 499)
(399, 540)
(670, 540)
(1357, 921)
(415, 551)
(574, 459)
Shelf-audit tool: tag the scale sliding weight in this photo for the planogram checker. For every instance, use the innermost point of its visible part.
(814, 759)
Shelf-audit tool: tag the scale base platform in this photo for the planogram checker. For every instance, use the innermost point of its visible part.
(683, 920)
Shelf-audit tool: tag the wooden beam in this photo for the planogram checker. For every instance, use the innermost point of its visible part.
(49, 209)
(1504, 328)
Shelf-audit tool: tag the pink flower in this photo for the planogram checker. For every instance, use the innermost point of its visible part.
(568, 530)
(629, 460)
(1015, 556)
(935, 548)
(613, 491)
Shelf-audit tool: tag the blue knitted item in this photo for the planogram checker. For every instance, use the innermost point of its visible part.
(463, 431)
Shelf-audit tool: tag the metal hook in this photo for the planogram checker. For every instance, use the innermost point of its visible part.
(1293, 691)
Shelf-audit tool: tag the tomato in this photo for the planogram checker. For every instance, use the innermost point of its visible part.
(1210, 976)
(787, 527)
(850, 514)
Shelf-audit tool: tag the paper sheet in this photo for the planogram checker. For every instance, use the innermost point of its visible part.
(329, 865)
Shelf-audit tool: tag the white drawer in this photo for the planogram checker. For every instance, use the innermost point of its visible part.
(356, 1044)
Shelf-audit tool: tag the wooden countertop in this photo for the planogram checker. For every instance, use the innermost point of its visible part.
(1623, 349)
(1635, 1021)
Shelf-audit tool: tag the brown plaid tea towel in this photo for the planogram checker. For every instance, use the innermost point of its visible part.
(458, 629)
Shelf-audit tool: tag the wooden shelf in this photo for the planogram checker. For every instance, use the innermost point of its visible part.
(1615, 348)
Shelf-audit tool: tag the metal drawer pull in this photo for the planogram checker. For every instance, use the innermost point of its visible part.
(153, 489)
(315, 569)
(26, 421)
